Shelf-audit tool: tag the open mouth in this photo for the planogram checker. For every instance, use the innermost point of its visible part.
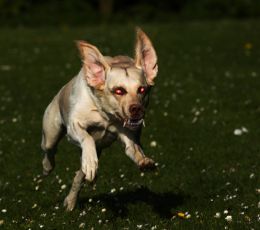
(133, 123)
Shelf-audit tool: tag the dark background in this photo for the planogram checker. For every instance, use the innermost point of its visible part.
(79, 12)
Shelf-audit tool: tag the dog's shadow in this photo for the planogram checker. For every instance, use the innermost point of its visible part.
(161, 203)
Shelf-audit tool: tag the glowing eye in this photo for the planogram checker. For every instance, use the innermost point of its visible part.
(141, 90)
(120, 91)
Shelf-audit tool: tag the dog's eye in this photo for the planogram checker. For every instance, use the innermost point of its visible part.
(120, 91)
(141, 90)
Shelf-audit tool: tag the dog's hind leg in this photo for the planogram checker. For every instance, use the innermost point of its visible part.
(71, 199)
(53, 131)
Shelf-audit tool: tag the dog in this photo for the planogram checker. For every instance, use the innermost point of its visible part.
(106, 101)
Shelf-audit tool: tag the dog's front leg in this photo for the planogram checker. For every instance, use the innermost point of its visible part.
(89, 162)
(89, 159)
(134, 150)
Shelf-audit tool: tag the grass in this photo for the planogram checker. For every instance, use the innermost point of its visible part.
(208, 86)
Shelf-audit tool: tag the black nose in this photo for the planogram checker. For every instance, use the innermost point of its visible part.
(136, 110)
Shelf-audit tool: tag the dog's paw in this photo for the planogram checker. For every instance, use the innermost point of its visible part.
(146, 164)
(89, 168)
(70, 203)
(47, 165)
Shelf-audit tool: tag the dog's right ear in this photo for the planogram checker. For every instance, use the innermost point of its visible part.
(94, 64)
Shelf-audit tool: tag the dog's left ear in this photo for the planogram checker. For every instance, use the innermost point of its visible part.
(145, 56)
(94, 64)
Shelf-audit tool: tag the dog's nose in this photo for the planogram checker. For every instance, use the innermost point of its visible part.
(136, 110)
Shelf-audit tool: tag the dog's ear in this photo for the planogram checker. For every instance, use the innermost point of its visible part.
(94, 64)
(145, 56)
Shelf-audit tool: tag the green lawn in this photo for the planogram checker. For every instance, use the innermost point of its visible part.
(208, 86)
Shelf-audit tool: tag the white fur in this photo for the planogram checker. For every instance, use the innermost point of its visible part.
(93, 117)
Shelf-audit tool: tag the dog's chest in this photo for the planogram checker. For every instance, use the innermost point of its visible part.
(103, 135)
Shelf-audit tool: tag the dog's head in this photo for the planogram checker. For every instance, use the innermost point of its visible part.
(121, 84)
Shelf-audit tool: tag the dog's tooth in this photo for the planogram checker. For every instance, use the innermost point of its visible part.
(125, 121)
(143, 123)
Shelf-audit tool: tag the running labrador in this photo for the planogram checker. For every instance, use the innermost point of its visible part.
(106, 101)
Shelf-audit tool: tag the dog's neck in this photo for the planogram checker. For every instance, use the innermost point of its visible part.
(95, 100)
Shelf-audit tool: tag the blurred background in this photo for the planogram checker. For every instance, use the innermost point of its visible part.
(81, 12)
